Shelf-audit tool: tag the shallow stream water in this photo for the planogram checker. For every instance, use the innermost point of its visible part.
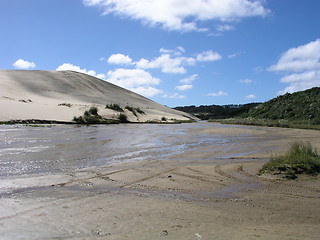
(59, 148)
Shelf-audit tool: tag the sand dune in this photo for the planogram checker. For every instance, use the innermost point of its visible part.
(59, 96)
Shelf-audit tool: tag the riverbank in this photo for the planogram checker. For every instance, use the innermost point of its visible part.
(209, 191)
(269, 123)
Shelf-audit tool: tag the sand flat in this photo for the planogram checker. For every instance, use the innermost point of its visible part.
(186, 196)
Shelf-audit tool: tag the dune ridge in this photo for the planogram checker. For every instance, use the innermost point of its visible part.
(62, 95)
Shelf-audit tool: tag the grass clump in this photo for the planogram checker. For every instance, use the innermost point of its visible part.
(123, 118)
(302, 158)
(132, 109)
(114, 107)
(90, 116)
(140, 111)
(135, 110)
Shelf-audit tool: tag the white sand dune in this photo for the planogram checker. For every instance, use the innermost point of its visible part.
(59, 96)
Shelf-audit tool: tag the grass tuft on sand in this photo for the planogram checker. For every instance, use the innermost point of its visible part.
(91, 116)
(302, 158)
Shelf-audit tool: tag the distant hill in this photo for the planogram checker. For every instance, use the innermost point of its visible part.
(216, 111)
(61, 96)
(299, 106)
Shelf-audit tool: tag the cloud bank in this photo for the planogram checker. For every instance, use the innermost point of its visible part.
(169, 61)
(177, 15)
(136, 80)
(301, 66)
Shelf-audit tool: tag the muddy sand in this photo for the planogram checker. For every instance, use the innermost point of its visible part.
(212, 192)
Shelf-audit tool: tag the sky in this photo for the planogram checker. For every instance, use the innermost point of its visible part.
(175, 52)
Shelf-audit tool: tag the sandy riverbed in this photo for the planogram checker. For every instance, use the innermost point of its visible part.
(211, 193)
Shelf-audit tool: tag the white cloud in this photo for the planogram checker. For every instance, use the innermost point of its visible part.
(187, 83)
(302, 58)
(301, 66)
(189, 79)
(146, 91)
(71, 67)
(136, 80)
(169, 61)
(301, 77)
(225, 27)
(181, 15)
(100, 75)
(300, 81)
(22, 64)
(177, 51)
(208, 56)
(218, 94)
(246, 81)
(119, 59)
(251, 96)
(184, 87)
(175, 95)
(166, 63)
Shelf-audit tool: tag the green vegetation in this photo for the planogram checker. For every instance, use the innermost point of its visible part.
(91, 116)
(123, 118)
(34, 122)
(296, 110)
(301, 106)
(114, 107)
(269, 123)
(140, 111)
(217, 112)
(302, 158)
(135, 110)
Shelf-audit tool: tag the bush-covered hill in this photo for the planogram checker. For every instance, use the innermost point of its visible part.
(216, 111)
(298, 106)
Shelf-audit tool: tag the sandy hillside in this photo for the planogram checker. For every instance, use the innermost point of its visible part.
(59, 96)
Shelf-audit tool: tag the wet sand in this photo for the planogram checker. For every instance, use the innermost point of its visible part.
(210, 191)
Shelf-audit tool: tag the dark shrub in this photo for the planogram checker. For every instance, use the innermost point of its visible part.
(123, 118)
(114, 107)
(93, 111)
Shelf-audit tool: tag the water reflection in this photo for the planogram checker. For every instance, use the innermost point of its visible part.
(25, 149)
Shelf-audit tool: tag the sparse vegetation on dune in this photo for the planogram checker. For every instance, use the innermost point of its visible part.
(302, 158)
(123, 118)
(91, 116)
(114, 107)
(65, 104)
(134, 110)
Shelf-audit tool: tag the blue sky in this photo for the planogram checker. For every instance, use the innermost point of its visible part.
(175, 52)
